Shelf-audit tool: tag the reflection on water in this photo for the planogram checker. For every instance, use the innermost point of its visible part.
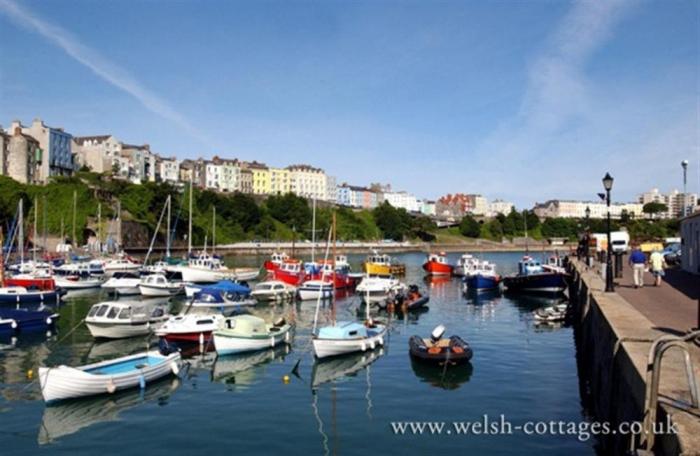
(522, 370)
(68, 417)
(445, 377)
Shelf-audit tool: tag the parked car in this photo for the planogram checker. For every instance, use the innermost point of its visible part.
(672, 253)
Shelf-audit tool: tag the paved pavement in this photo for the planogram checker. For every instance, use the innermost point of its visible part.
(672, 306)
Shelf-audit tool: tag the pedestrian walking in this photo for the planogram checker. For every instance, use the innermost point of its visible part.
(658, 264)
(638, 262)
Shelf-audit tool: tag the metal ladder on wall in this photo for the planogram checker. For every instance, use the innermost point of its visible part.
(658, 348)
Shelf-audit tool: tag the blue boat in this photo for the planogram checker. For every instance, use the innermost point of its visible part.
(533, 278)
(22, 319)
(21, 295)
(484, 278)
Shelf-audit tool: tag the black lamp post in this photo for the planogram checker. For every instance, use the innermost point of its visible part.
(588, 218)
(684, 165)
(609, 286)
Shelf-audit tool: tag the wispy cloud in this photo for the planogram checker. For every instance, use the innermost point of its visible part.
(98, 64)
(558, 102)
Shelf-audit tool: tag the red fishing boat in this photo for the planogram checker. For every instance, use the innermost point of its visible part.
(437, 264)
(275, 261)
(31, 283)
(342, 274)
(291, 272)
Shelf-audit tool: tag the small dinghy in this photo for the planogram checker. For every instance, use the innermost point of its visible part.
(315, 289)
(438, 350)
(406, 301)
(551, 314)
(244, 333)
(64, 382)
(78, 282)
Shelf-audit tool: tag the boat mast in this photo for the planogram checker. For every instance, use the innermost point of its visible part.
(527, 242)
(189, 232)
(323, 277)
(75, 208)
(167, 242)
(155, 233)
(43, 222)
(313, 232)
(119, 224)
(333, 265)
(99, 228)
(34, 236)
(213, 230)
(20, 237)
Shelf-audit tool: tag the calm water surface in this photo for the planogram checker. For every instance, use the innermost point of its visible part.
(344, 406)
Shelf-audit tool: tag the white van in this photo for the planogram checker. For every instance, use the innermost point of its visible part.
(620, 241)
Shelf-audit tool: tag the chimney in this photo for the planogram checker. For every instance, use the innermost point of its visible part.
(17, 131)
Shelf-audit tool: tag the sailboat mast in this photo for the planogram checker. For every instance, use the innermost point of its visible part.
(43, 222)
(167, 242)
(20, 238)
(527, 242)
(189, 228)
(213, 230)
(2, 259)
(99, 227)
(333, 265)
(119, 224)
(34, 236)
(313, 232)
(75, 209)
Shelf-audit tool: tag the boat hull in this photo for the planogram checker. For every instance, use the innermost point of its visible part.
(482, 282)
(439, 269)
(151, 291)
(457, 352)
(120, 331)
(546, 282)
(230, 345)
(309, 295)
(326, 348)
(63, 382)
(31, 297)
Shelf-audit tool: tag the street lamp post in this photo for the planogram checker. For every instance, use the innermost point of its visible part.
(588, 218)
(609, 286)
(684, 164)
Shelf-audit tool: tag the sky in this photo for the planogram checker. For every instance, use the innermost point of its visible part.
(525, 100)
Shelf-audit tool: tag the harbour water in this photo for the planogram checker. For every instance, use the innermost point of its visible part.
(241, 404)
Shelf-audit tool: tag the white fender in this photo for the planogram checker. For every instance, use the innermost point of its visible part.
(272, 341)
(174, 368)
(381, 340)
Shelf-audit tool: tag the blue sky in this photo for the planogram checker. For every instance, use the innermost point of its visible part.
(522, 100)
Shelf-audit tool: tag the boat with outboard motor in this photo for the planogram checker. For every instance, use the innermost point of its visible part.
(378, 288)
(161, 285)
(406, 300)
(554, 313)
(440, 350)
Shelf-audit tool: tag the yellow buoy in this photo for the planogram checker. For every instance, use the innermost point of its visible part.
(30, 373)
(285, 379)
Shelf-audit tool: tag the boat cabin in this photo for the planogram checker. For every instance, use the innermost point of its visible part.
(270, 286)
(155, 279)
(279, 258)
(246, 326)
(291, 266)
(529, 265)
(124, 312)
(206, 261)
(379, 259)
(439, 258)
(343, 330)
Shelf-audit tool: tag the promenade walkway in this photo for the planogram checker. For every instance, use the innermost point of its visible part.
(673, 306)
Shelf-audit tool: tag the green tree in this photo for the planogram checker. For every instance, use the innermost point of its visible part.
(469, 227)
(653, 208)
(392, 222)
(291, 210)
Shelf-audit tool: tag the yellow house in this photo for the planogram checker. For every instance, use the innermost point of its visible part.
(261, 178)
(279, 181)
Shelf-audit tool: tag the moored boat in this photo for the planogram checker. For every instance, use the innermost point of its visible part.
(276, 259)
(64, 382)
(483, 278)
(121, 319)
(123, 284)
(439, 350)
(315, 289)
(244, 333)
(375, 289)
(192, 327)
(21, 295)
(437, 264)
(161, 285)
(273, 291)
(531, 277)
(290, 272)
(466, 265)
(407, 300)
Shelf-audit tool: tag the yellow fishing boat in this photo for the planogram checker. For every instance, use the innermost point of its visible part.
(377, 264)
